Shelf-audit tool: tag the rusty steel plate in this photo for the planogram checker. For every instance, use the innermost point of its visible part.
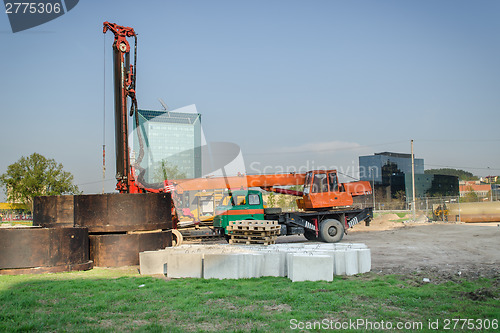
(116, 250)
(105, 212)
(123, 212)
(53, 211)
(52, 269)
(38, 250)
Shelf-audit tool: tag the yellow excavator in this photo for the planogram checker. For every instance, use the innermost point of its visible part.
(440, 212)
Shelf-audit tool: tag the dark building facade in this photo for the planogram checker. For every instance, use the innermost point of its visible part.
(392, 175)
(425, 185)
(381, 166)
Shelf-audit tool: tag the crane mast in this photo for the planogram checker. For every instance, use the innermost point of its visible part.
(124, 87)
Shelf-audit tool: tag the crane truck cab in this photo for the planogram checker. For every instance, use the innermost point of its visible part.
(322, 190)
(238, 205)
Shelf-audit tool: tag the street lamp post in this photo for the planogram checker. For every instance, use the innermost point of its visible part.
(491, 185)
(413, 180)
(373, 186)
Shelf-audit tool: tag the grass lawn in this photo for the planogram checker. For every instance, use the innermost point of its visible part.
(122, 300)
(15, 223)
(399, 214)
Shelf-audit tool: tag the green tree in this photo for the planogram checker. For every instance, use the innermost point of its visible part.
(461, 174)
(34, 176)
(166, 170)
(400, 196)
(271, 200)
(470, 196)
(281, 202)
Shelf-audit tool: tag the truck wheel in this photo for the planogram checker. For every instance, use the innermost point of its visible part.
(310, 235)
(272, 210)
(331, 231)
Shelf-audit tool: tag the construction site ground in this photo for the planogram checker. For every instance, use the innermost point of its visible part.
(435, 250)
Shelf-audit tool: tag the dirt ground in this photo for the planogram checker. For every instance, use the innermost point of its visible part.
(433, 249)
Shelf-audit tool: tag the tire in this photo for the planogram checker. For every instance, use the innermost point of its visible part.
(310, 235)
(331, 231)
(272, 210)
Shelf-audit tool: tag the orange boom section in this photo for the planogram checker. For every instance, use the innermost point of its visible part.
(237, 182)
(322, 189)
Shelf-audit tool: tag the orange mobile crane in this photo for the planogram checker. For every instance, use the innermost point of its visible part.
(325, 204)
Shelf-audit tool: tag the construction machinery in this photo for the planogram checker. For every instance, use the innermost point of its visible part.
(440, 212)
(325, 205)
(130, 178)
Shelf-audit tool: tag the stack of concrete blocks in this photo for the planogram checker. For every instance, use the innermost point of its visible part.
(297, 261)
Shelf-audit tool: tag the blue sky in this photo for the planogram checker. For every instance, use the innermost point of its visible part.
(294, 83)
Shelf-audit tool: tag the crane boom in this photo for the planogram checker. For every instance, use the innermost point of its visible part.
(237, 182)
(321, 187)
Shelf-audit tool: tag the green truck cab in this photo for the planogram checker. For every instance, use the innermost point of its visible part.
(239, 205)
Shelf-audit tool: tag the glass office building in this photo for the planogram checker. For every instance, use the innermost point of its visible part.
(172, 144)
(426, 185)
(392, 174)
(381, 166)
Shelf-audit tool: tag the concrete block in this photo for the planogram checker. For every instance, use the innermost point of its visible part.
(221, 266)
(357, 246)
(310, 267)
(289, 264)
(282, 268)
(293, 245)
(233, 262)
(152, 262)
(320, 246)
(250, 265)
(351, 262)
(329, 253)
(273, 264)
(184, 265)
(258, 262)
(364, 260)
(339, 259)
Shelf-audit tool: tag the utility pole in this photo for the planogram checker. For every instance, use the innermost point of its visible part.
(373, 185)
(459, 209)
(104, 123)
(491, 184)
(413, 180)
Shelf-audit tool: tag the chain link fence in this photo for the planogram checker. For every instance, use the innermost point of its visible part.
(452, 208)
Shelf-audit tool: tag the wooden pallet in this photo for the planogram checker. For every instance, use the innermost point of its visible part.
(250, 242)
(253, 232)
(253, 237)
(253, 225)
